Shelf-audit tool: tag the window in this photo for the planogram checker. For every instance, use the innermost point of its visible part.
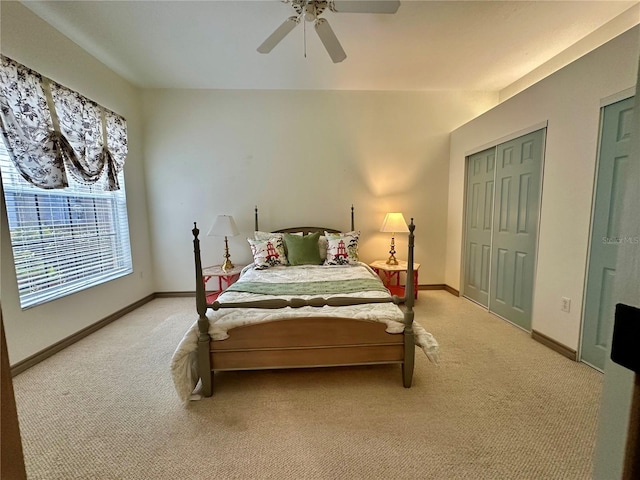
(62, 169)
(64, 240)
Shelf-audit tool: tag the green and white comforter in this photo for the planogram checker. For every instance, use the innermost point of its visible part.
(308, 281)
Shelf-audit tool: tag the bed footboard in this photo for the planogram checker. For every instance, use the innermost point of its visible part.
(310, 342)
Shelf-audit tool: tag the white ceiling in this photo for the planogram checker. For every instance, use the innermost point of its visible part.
(426, 45)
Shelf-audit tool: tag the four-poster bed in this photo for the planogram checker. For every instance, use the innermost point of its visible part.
(312, 329)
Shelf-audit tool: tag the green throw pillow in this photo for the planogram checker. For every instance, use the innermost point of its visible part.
(303, 250)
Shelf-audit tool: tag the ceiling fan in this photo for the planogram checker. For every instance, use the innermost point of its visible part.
(310, 11)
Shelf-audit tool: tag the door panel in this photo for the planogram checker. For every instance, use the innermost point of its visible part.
(517, 206)
(606, 234)
(479, 208)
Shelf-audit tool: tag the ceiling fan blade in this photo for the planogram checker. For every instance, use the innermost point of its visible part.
(276, 37)
(330, 41)
(366, 6)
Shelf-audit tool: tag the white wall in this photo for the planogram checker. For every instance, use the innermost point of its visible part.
(569, 100)
(32, 42)
(304, 157)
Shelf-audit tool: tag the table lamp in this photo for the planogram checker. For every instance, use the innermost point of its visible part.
(224, 226)
(393, 223)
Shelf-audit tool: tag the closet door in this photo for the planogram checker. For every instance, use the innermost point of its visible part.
(515, 227)
(606, 233)
(479, 211)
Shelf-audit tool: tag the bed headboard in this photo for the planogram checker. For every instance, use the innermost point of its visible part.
(307, 230)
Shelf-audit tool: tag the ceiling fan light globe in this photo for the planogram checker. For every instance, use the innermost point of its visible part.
(310, 12)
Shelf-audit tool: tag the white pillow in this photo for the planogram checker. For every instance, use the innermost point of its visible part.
(258, 235)
(323, 243)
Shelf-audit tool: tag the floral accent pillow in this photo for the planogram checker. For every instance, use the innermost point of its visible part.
(342, 249)
(268, 253)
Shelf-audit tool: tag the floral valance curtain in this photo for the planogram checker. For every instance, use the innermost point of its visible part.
(52, 131)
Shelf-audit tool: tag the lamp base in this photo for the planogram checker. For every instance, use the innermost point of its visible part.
(392, 251)
(227, 265)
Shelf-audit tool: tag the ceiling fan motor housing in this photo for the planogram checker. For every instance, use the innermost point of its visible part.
(310, 10)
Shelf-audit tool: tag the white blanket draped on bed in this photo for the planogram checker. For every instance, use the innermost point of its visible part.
(184, 360)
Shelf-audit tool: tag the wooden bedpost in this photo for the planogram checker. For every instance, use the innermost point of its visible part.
(353, 223)
(255, 219)
(204, 359)
(409, 297)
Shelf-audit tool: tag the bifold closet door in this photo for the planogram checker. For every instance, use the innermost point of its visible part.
(515, 227)
(501, 226)
(479, 208)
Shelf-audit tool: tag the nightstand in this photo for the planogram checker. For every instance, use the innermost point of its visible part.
(224, 279)
(391, 276)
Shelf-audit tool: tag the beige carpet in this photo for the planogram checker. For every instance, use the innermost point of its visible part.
(500, 406)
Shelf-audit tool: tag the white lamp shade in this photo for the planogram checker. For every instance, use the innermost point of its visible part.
(224, 226)
(394, 223)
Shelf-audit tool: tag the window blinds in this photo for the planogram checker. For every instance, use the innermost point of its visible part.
(64, 240)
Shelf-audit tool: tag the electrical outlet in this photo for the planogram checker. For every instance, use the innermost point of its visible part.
(566, 305)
